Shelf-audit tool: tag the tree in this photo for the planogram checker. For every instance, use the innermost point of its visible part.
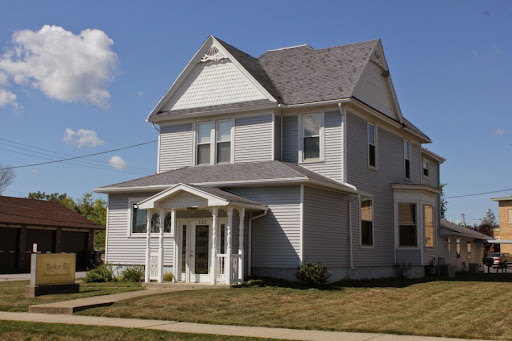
(94, 210)
(490, 218)
(7, 176)
(444, 203)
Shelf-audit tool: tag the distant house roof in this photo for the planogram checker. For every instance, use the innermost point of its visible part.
(461, 231)
(302, 74)
(502, 199)
(229, 175)
(20, 211)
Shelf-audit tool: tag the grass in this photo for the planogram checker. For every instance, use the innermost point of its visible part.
(468, 307)
(33, 331)
(12, 293)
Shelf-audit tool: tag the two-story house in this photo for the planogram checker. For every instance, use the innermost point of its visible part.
(265, 163)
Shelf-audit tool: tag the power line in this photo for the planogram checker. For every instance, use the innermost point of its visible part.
(81, 157)
(482, 193)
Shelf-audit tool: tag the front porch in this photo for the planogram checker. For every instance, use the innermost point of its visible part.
(202, 224)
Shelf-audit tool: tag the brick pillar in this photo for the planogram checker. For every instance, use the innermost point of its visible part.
(58, 240)
(22, 247)
(90, 241)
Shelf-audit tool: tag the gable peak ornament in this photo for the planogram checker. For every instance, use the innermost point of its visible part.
(212, 54)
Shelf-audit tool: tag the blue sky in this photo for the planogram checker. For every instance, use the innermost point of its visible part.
(449, 61)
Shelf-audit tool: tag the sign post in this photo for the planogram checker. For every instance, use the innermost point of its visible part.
(52, 273)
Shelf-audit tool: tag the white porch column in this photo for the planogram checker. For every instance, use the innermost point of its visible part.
(241, 213)
(161, 247)
(229, 266)
(148, 244)
(213, 274)
(174, 232)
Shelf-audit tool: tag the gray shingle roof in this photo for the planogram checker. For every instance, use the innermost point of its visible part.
(457, 230)
(227, 173)
(226, 195)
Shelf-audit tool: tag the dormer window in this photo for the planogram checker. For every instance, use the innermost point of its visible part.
(223, 141)
(203, 143)
(312, 137)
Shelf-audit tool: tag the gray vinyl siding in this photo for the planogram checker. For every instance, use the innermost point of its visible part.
(326, 236)
(373, 90)
(290, 139)
(477, 252)
(408, 256)
(416, 167)
(253, 138)
(433, 176)
(176, 146)
(276, 236)
(332, 166)
(122, 249)
(377, 183)
(277, 137)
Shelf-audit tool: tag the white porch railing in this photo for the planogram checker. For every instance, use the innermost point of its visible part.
(222, 260)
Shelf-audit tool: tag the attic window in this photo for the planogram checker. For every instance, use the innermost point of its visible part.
(213, 54)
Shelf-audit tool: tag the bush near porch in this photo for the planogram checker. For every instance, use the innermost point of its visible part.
(468, 307)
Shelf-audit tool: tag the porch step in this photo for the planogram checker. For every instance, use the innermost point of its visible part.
(180, 286)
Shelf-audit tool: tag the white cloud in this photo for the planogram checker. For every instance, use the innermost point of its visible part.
(8, 98)
(140, 93)
(499, 131)
(64, 66)
(82, 138)
(4, 79)
(118, 163)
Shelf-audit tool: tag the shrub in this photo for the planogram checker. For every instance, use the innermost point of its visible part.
(133, 274)
(102, 273)
(168, 276)
(313, 274)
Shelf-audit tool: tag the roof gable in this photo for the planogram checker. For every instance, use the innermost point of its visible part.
(213, 77)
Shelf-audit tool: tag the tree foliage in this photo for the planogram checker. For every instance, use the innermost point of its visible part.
(490, 218)
(93, 209)
(7, 176)
(444, 203)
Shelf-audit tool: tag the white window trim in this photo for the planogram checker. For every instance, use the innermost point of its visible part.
(301, 137)
(131, 202)
(213, 141)
(409, 158)
(423, 168)
(376, 143)
(418, 233)
(366, 246)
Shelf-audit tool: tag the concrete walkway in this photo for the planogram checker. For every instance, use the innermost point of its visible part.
(69, 307)
(170, 326)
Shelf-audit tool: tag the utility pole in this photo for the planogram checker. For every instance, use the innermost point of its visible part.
(464, 219)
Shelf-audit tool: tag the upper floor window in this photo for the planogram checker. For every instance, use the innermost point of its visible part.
(216, 134)
(372, 162)
(223, 148)
(203, 143)
(429, 226)
(312, 139)
(426, 168)
(407, 225)
(366, 221)
(407, 159)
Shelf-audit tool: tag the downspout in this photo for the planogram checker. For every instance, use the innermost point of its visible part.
(249, 256)
(350, 229)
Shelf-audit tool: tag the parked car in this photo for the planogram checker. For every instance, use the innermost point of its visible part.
(497, 258)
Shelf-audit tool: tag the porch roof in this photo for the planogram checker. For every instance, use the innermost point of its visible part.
(451, 229)
(229, 175)
(214, 197)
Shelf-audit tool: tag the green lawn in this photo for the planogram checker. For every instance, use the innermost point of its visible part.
(12, 293)
(31, 331)
(468, 307)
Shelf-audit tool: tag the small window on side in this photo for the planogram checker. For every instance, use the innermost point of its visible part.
(372, 162)
(138, 220)
(407, 160)
(426, 168)
(469, 250)
(449, 245)
(429, 226)
(203, 143)
(407, 225)
(366, 221)
(224, 141)
(312, 126)
(458, 247)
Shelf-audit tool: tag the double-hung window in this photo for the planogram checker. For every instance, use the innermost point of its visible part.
(469, 250)
(366, 221)
(407, 225)
(407, 159)
(429, 226)
(312, 124)
(223, 147)
(139, 221)
(203, 143)
(372, 152)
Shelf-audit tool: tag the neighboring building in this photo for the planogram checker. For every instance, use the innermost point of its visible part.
(504, 235)
(461, 246)
(51, 225)
(266, 163)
